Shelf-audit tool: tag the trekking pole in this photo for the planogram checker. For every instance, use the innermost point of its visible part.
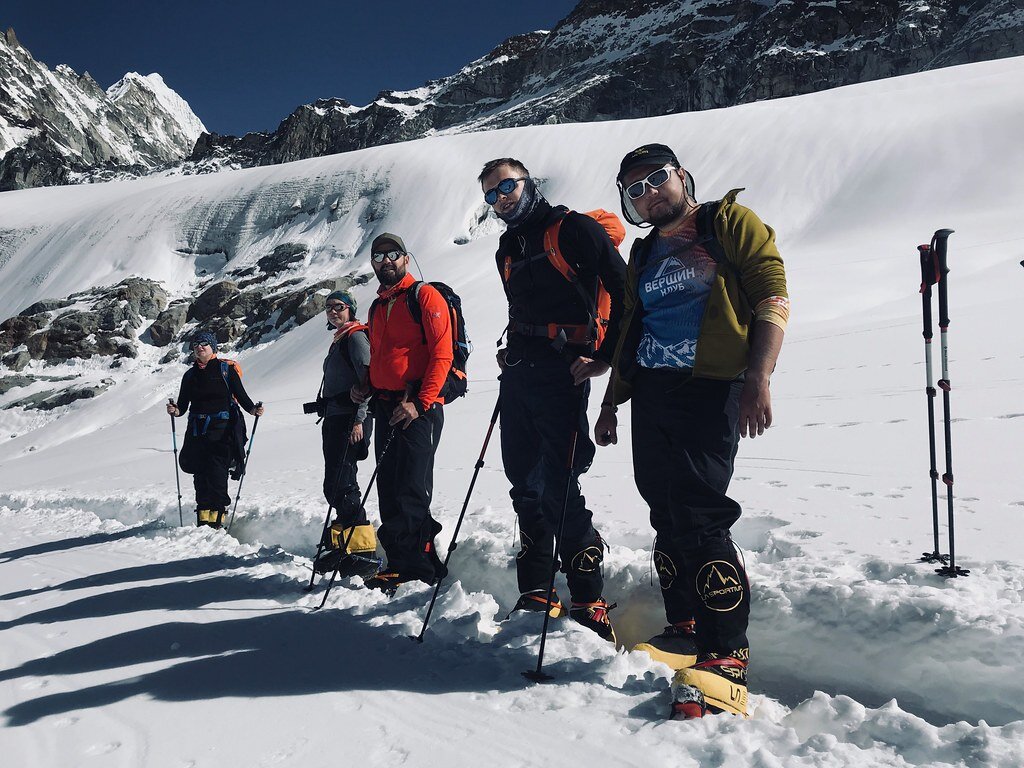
(929, 276)
(330, 506)
(537, 675)
(455, 535)
(245, 465)
(366, 495)
(940, 242)
(177, 478)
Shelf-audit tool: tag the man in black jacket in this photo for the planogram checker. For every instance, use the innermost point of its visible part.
(553, 264)
(211, 388)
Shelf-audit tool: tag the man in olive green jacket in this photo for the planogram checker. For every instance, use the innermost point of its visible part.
(706, 306)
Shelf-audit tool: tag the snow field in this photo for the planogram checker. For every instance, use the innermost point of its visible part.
(127, 637)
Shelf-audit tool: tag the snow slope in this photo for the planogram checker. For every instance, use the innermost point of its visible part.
(131, 642)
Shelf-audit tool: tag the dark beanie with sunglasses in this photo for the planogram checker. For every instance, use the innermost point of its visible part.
(205, 337)
(345, 297)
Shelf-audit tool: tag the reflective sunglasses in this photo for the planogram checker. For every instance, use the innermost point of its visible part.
(378, 258)
(504, 187)
(339, 307)
(638, 189)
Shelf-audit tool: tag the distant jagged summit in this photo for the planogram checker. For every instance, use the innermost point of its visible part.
(58, 127)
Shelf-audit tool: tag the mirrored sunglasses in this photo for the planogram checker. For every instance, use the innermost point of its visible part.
(339, 307)
(504, 187)
(638, 189)
(378, 258)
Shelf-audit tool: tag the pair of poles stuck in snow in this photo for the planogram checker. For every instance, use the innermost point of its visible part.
(241, 478)
(935, 271)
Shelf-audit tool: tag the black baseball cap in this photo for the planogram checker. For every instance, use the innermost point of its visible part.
(386, 237)
(648, 154)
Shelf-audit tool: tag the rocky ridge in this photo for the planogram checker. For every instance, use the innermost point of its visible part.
(615, 59)
(59, 127)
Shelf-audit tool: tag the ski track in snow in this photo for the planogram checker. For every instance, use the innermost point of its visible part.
(217, 619)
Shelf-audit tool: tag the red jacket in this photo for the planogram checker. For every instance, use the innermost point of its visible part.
(398, 355)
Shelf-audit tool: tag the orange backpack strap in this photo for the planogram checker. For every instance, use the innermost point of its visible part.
(555, 253)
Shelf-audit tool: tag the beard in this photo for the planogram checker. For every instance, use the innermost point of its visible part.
(667, 213)
(390, 276)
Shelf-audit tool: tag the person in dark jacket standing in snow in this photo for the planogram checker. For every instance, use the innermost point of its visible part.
(553, 264)
(409, 363)
(346, 432)
(211, 391)
(706, 308)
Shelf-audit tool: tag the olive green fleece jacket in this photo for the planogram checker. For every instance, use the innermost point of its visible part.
(753, 272)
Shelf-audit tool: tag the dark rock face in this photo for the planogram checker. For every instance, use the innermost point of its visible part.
(101, 321)
(214, 300)
(59, 127)
(282, 257)
(168, 323)
(51, 398)
(613, 59)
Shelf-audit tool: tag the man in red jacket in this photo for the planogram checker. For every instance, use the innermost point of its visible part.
(409, 363)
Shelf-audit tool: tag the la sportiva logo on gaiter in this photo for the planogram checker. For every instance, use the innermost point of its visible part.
(719, 586)
(666, 569)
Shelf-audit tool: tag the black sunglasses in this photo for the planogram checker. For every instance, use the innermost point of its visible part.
(637, 189)
(378, 258)
(504, 187)
(339, 307)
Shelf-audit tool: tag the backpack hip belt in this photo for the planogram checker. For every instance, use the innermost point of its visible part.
(206, 418)
(574, 334)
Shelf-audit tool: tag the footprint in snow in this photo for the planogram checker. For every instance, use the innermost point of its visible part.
(894, 495)
(895, 421)
(864, 493)
(814, 424)
(1010, 416)
(103, 749)
(1017, 503)
(823, 485)
(776, 484)
(969, 498)
(849, 424)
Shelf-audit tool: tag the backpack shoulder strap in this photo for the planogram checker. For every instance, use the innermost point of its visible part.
(412, 300)
(706, 231)
(554, 253)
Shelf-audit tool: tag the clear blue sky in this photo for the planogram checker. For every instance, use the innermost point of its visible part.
(244, 66)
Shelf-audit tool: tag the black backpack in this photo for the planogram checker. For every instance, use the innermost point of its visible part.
(457, 383)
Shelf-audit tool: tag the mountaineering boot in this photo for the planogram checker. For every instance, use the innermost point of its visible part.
(675, 646)
(594, 616)
(359, 558)
(716, 684)
(387, 582)
(534, 600)
(211, 517)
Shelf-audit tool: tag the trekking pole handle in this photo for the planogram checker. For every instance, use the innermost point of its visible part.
(940, 245)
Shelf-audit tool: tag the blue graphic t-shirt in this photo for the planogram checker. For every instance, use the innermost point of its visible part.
(673, 289)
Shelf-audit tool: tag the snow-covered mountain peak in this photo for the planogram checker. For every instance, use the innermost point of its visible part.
(57, 126)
